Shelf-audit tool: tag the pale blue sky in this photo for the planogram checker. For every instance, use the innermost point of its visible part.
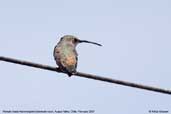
(136, 47)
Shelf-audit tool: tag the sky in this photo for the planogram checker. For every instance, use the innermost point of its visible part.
(136, 47)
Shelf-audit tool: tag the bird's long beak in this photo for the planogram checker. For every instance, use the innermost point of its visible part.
(85, 41)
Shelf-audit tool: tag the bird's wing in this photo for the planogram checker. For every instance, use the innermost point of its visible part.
(57, 57)
(54, 51)
(76, 57)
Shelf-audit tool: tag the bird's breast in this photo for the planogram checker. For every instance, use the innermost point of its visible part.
(70, 60)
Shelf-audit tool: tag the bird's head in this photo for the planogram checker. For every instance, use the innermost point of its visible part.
(74, 40)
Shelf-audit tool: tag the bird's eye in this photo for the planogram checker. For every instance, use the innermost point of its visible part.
(74, 40)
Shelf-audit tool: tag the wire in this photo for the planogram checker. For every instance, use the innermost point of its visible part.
(85, 75)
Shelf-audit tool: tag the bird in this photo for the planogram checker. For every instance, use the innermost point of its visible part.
(65, 53)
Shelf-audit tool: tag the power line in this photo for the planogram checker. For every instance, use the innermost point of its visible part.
(85, 75)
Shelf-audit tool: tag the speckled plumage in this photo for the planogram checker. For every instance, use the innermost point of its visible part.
(65, 53)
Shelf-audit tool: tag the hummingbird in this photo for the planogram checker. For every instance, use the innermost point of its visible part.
(65, 53)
